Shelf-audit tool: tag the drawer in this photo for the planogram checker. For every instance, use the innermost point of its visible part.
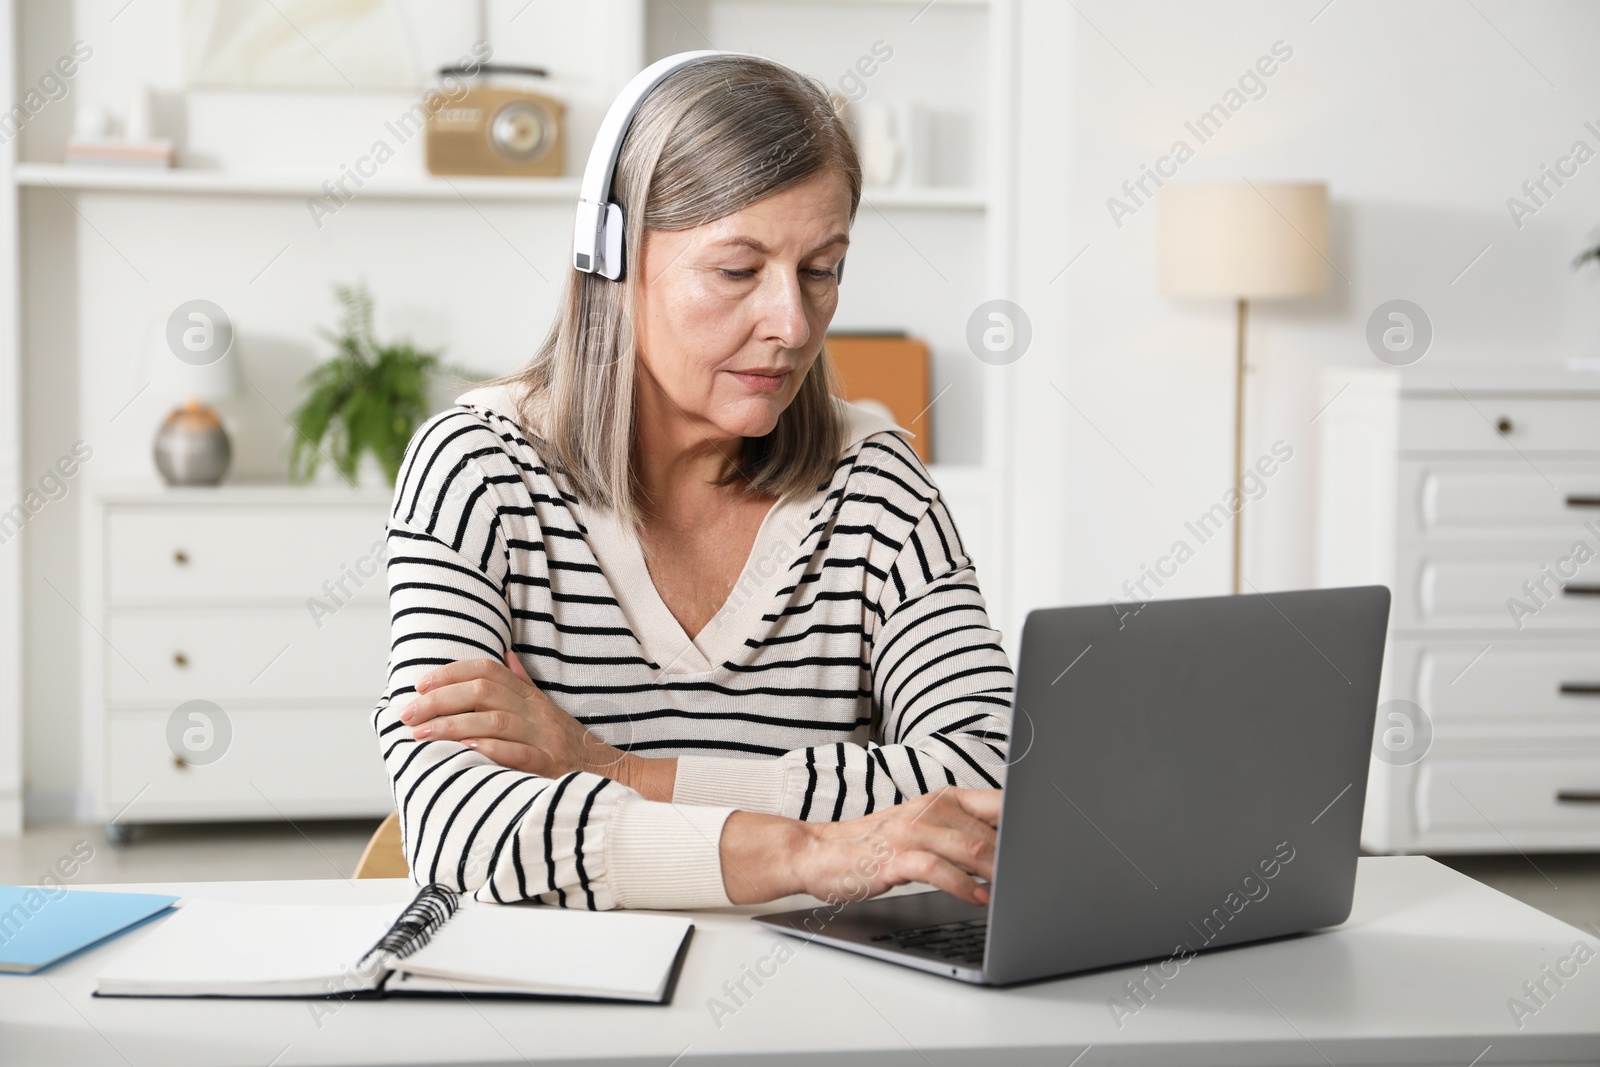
(245, 552)
(282, 762)
(1496, 498)
(1513, 683)
(1535, 424)
(251, 654)
(1480, 585)
(1522, 798)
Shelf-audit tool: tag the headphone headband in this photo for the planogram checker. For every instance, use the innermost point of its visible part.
(597, 237)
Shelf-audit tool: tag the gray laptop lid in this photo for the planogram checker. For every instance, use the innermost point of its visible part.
(1185, 775)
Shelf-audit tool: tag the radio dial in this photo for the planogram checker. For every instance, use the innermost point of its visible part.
(518, 131)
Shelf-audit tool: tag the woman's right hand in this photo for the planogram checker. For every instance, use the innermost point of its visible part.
(942, 839)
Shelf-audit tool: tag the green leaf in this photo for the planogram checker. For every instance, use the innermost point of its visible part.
(369, 397)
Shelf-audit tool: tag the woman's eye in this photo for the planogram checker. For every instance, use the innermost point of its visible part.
(819, 274)
(737, 274)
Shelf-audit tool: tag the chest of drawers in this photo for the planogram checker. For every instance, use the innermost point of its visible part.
(1476, 498)
(240, 641)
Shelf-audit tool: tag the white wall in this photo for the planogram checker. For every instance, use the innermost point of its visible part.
(1423, 118)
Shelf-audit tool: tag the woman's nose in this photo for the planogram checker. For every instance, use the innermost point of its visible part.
(786, 313)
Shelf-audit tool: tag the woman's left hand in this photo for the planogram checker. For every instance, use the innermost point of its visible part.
(496, 709)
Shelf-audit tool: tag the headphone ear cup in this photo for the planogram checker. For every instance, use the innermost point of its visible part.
(613, 244)
(838, 272)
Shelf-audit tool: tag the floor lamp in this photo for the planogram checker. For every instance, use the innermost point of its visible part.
(1243, 241)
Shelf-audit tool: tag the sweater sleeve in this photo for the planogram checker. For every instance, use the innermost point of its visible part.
(578, 840)
(941, 692)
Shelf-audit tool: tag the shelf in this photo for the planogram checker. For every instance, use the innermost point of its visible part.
(418, 187)
(873, 3)
(276, 494)
(180, 180)
(936, 198)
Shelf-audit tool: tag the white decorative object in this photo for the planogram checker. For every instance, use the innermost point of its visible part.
(140, 122)
(92, 122)
(1476, 499)
(875, 133)
(938, 147)
(246, 641)
(95, 139)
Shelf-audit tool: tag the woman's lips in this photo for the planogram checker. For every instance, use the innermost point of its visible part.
(761, 382)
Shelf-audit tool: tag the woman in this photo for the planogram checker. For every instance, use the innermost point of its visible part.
(672, 626)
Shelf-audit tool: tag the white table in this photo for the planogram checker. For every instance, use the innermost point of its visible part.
(1420, 974)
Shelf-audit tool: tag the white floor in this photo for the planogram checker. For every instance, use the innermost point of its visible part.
(197, 853)
(1566, 886)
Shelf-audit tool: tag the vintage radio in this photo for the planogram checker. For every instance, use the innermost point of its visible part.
(498, 130)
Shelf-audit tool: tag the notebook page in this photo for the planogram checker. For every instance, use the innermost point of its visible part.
(545, 949)
(210, 947)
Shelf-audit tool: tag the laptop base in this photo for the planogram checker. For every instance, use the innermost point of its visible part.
(867, 926)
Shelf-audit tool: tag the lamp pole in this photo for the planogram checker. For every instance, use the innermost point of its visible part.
(1238, 450)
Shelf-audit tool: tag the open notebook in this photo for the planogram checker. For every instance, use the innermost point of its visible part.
(436, 944)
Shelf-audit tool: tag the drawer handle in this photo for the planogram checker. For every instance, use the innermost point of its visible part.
(1580, 689)
(1581, 590)
(1580, 500)
(1504, 425)
(180, 557)
(179, 659)
(1578, 796)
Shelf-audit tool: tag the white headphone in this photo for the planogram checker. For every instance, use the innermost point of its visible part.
(597, 236)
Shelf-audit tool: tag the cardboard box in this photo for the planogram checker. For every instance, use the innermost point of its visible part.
(891, 371)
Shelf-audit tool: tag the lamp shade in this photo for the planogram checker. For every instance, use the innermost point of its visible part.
(174, 379)
(1244, 240)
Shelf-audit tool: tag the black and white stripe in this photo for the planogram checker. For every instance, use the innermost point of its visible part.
(874, 676)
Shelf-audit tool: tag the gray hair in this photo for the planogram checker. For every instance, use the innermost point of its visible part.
(711, 139)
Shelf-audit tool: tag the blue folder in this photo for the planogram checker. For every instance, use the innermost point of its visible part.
(41, 926)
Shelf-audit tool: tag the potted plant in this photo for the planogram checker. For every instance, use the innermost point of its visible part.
(1588, 254)
(368, 399)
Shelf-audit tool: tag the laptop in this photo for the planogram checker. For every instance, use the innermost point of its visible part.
(1183, 775)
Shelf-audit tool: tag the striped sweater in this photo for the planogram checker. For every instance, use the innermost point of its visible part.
(852, 666)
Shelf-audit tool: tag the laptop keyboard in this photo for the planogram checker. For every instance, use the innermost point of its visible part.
(959, 942)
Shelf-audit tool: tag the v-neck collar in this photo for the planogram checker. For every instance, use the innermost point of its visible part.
(773, 554)
(775, 549)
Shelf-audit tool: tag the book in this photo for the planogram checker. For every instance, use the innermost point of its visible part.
(97, 151)
(436, 944)
(42, 925)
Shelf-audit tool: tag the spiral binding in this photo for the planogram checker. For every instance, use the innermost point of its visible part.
(427, 912)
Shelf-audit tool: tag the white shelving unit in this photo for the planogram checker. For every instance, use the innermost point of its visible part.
(180, 181)
(106, 253)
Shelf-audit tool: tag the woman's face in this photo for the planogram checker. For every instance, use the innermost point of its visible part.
(732, 313)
